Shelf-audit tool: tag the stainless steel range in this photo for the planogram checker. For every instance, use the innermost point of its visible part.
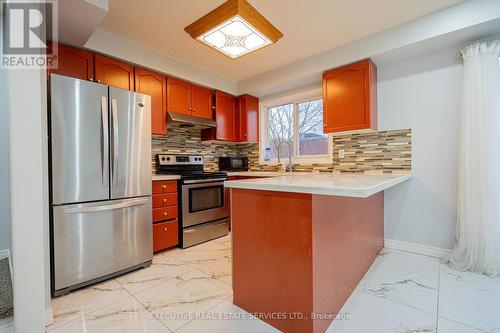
(203, 213)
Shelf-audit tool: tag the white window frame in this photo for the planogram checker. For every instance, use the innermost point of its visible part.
(296, 98)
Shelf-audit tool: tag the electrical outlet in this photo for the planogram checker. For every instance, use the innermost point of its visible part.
(341, 153)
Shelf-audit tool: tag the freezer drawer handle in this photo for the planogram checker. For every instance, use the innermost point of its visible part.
(104, 142)
(99, 208)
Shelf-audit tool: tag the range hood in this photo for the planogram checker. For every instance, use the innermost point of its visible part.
(187, 119)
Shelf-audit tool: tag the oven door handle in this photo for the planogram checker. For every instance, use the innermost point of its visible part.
(201, 181)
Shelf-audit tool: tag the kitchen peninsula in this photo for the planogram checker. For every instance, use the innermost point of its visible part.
(301, 244)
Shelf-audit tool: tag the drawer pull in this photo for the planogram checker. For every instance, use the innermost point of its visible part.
(164, 186)
(165, 214)
(164, 200)
(165, 229)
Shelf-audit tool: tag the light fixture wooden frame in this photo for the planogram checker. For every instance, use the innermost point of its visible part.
(229, 10)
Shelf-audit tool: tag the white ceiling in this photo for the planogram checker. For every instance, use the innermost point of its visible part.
(309, 27)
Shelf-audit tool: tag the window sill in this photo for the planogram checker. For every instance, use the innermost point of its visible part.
(300, 161)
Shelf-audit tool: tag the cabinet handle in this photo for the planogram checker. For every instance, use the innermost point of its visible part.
(194, 109)
(165, 229)
(164, 186)
(164, 200)
(91, 79)
(98, 81)
(324, 125)
(165, 214)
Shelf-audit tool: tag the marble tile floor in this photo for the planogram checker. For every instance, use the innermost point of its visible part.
(190, 291)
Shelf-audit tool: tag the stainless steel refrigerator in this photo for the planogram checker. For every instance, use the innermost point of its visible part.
(100, 139)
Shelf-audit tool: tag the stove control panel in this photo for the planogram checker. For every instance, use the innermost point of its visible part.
(179, 159)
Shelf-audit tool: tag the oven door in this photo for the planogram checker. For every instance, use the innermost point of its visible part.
(203, 201)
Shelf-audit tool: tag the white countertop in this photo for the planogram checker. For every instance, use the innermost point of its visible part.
(265, 173)
(165, 177)
(344, 184)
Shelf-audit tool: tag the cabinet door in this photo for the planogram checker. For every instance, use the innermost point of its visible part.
(73, 62)
(114, 73)
(241, 119)
(178, 96)
(165, 235)
(201, 102)
(349, 97)
(248, 118)
(225, 116)
(155, 85)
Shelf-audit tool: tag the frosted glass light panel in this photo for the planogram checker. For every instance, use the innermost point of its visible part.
(234, 38)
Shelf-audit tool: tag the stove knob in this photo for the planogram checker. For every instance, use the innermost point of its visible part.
(163, 158)
(168, 158)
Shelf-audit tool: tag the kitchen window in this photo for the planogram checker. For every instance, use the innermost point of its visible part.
(294, 125)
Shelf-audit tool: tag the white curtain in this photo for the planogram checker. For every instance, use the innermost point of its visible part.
(478, 225)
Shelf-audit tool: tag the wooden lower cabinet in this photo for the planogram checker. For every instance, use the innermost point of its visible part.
(165, 212)
(165, 235)
(164, 200)
(164, 186)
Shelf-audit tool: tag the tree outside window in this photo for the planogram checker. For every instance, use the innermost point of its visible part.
(302, 120)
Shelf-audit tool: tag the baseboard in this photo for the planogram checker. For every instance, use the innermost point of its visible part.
(7, 325)
(417, 248)
(49, 316)
(6, 254)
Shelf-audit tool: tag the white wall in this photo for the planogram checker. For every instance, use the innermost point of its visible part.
(424, 94)
(26, 92)
(450, 25)
(4, 165)
(24, 196)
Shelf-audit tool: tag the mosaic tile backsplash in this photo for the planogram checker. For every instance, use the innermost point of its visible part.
(187, 141)
(384, 151)
(378, 152)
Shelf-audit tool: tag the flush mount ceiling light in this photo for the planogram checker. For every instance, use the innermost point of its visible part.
(235, 28)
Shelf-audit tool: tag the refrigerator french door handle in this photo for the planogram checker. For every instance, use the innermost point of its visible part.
(114, 166)
(91, 208)
(104, 142)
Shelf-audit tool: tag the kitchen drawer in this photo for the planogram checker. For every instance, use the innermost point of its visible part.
(164, 186)
(165, 235)
(166, 213)
(164, 200)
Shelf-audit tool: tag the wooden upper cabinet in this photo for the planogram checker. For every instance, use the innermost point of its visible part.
(350, 97)
(184, 97)
(155, 85)
(237, 119)
(113, 72)
(73, 62)
(248, 118)
(178, 96)
(201, 102)
(225, 116)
